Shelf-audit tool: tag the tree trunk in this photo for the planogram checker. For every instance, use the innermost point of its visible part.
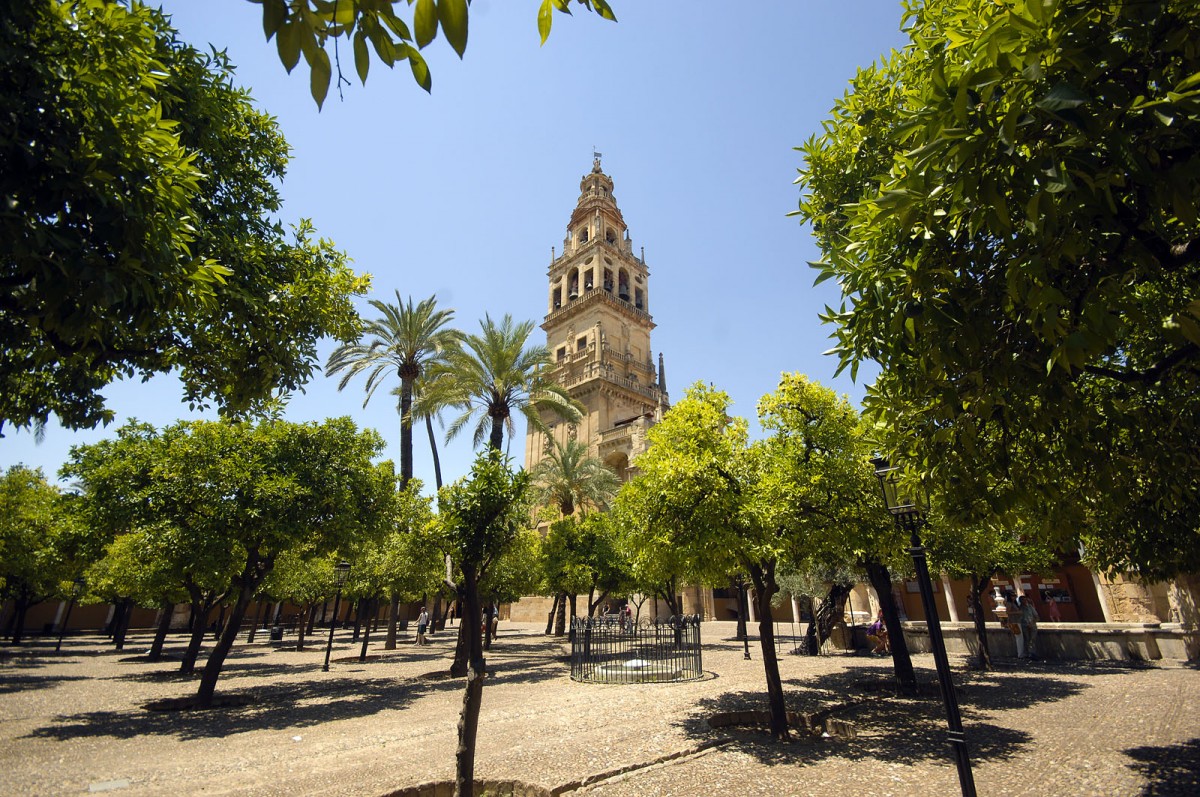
(496, 438)
(160, 633)
(406, 440)
(19, 620)
(668, 596)
(881, 580)
(572, 597)
(593, 604)
(468, 723)
(458, 667)
(825, 618)
(743, 608)
(550, 616)
(262, 608)
(979, 587)
(389, 643)
(765, 587)
(560, 620)
(301, 625)
(362, 656)
(220, 622)
(200, 610)
(437, 610)
(359, 605)
(212, 668)
(123, 624)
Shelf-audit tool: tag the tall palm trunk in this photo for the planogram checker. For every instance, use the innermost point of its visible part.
(496, 439)
(437, 462)
(406, 441)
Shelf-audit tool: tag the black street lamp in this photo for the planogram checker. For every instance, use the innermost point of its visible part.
(340, 572)
(76, 591)
(909, 513)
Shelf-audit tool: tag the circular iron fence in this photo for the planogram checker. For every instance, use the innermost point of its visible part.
(606, 650)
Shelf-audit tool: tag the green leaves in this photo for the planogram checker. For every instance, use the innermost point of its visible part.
(1039, 204)
(169, 257)
(308, 26)
(425, 21)
(545, 19)
(452, 14)
(1062, 96)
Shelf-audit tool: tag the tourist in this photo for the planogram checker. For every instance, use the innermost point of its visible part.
(1013, 621)
(1052, 612)
(422, 624)
(877, 635)
(1028, 619)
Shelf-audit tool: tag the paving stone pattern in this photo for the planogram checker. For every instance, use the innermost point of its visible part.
(76, 723)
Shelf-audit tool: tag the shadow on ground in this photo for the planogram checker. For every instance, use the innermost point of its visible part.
(271, 706)
(1171, 770)
(21, 683)
(889, 725)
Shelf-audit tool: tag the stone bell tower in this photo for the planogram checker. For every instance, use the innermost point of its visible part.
(598, 331)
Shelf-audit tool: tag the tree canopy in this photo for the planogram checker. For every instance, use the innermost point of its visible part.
(1010, 206)
(137, 231)
(241, 495)
(38, 533)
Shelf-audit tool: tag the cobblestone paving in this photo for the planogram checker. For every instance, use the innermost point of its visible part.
(76, 722)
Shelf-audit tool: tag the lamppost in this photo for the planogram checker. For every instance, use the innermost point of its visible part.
(340, 571)
(909, 514)
(76, 591)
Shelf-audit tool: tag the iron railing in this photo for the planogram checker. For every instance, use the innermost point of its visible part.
(605, 650)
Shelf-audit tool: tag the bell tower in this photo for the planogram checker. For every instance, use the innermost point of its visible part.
(598, 328)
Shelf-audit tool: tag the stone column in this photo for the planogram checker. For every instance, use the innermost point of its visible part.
(950, 607)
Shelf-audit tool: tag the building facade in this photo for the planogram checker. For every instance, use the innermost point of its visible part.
(598, 327)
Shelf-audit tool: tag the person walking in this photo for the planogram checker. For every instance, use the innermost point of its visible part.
(1029, 620)
(422, 625)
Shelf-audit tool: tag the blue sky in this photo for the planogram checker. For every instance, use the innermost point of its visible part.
(696, 109)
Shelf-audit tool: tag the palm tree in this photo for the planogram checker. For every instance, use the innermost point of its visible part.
(491, 376)
(569, 477)
(406, 340)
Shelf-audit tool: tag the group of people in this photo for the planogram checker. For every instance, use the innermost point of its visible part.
(624, 615)
(491, 614)
(1022, 618)
(1017, 612)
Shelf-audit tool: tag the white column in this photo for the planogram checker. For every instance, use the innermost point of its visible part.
(950, 607)
(753, 618)
(1101, 593)
(58, 616)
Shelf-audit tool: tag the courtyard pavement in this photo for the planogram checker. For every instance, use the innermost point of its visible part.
(76, 722)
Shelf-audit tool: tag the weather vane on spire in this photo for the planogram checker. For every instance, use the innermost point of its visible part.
(596, 156)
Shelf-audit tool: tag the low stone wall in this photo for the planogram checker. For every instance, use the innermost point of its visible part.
(1093, 641)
